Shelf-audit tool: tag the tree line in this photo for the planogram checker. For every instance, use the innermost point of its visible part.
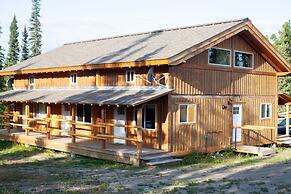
(31, 42)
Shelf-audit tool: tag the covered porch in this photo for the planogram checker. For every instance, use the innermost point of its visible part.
(119, 125)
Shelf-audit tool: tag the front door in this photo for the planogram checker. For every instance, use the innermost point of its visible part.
(237, 121)
(66, 114)
(119, 119)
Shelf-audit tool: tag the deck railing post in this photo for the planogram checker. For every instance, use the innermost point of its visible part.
(27, 121)
(287, 116)
(73, 129)
(139, 133)
(8, 120)
(249, 138)
(235, 129)
(48, 121)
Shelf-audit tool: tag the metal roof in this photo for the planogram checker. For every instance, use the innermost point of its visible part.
(160, 44)
(126, 97)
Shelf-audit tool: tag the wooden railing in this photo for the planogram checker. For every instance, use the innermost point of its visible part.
(252, 135)
(12, 120)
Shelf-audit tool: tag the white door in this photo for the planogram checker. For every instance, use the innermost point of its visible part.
(23, 113)
(119, 119)
(66, 114)
(237, 121)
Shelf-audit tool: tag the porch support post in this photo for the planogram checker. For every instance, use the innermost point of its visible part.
(139, 133)
(287, 116)
(8, 120)
(27, 116)
(73, 129)
(103, 129)
(48, 125)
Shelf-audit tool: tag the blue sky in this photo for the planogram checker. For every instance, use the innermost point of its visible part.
(73, 20)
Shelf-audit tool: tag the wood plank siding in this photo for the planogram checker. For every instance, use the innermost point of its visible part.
(88, 78)
(211, 87)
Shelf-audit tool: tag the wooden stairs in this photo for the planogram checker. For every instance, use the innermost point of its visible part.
(284, 141)
(260, 151)
(160, 159)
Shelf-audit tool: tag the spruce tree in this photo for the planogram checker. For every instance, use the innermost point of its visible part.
(282, 42)
(35, 29)
(1, 53)
(2, 80)
(24, 46)
(13, 44)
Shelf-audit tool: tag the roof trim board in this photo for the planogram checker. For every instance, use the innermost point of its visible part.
(124, 97)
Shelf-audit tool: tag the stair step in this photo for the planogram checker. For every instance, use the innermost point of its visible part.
(161, 162)
(260, 151)
(158, 157)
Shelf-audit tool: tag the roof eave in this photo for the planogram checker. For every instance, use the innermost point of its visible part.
(88, 67)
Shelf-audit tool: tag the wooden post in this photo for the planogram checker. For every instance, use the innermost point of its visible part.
(139, 133)
(103, 119)
(287, 116)
(8, 120)
(73, 129)
(48, 125)
(27, 114)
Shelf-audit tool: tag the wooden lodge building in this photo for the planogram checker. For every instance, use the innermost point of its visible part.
(198, 88)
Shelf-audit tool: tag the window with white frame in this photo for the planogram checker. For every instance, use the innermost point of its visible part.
(84, 113)
(243, 59)
(31, 80)
(73, 79)
(266, 111)
(149, 116)
(219, 56)
(188, 113)
(130, 76)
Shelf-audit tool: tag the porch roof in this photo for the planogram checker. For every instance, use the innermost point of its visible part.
(283, 98)
(124, 97)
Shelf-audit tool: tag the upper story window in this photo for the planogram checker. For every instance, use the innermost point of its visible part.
(73, 78)
(31, 80)
(219, 56)
(188, 113)
(243, 59)
(266, 110)
(130, 76)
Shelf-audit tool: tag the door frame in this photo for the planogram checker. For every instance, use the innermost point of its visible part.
(63, 131)
(234, 140)
(119, 141)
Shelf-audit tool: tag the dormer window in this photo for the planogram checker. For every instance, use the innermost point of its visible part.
(130, 76)
(31, 80)
(243, 59)
(74, 78)
(219, 56)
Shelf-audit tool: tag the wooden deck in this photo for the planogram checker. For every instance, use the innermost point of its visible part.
(284, 141)
(260, 151)
(120, 153)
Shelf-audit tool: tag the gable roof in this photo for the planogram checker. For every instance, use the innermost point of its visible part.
(161, 47)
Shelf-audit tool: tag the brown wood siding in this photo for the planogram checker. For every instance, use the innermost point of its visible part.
(88, 78)
(215, 123)
(211, 87)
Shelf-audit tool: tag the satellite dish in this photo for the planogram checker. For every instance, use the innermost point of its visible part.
(151, 75)
(10, 82)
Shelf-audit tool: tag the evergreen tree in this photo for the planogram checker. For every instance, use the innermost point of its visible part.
(35, 29)
(13, 44)
(282, 42)
(1, 53)
(24, 46)
(2, 80)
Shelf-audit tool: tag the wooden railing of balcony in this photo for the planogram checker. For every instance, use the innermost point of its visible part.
(12, 119)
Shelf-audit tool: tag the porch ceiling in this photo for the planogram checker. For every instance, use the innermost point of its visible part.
(124, 97)
(283, 98)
